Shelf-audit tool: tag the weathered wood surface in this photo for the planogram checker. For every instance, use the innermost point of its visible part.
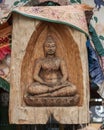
(26, 47)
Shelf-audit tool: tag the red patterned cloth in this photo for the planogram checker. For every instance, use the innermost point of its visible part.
(4, 50)
(5, 39)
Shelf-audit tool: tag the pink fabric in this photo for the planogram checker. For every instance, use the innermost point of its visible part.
(6, 7)
(70, 14)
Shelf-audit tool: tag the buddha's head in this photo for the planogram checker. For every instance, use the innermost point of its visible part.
(50, 46)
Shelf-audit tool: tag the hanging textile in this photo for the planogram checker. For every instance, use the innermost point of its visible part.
(95, 71)
(70, 15)
(96, 41)
(5, 51)
(5, 40)
(6, 7)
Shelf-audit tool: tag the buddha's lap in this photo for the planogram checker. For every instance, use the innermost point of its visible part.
(36, 88)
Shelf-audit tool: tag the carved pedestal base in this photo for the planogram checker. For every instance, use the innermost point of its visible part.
(51, 101)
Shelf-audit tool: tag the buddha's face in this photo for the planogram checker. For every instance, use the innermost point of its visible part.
(50, 47)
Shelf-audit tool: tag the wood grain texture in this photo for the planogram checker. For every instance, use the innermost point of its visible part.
(28, 38)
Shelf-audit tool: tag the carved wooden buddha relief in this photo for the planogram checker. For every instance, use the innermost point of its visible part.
(52, 66)
(49, 73)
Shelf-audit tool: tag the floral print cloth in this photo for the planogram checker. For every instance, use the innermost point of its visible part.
(70, 15)
(6, 7)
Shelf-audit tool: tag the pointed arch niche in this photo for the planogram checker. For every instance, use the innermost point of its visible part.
(27, 47)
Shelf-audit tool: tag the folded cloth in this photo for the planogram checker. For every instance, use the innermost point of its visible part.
(95, 70)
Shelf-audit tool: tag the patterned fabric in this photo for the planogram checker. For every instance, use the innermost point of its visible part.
(5, 50)
(4, 47)
(95, 71)
(5, 40)
(6, 7)
(70, 15)
(5, 68)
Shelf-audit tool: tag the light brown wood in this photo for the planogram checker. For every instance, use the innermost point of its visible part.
(95, 125)
(28, 38)
(92, 126)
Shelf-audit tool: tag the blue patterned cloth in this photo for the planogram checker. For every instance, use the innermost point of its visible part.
(95, 71)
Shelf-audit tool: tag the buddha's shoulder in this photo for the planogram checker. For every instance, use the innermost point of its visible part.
(59, 59)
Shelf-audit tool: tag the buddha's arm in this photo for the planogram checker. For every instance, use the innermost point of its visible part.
(36, 72)
(64, 71)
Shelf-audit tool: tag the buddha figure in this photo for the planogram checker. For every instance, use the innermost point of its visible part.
(50, 74)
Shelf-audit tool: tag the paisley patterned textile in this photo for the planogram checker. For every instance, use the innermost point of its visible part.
(5, 51)
(95, 70)
(5, 40)
(6, 7)
(70, 15)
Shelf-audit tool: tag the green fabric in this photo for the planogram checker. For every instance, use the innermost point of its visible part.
(50, 3)
(95, 39)
(4, 84)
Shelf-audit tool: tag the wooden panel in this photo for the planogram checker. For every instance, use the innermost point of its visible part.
(28, 37)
